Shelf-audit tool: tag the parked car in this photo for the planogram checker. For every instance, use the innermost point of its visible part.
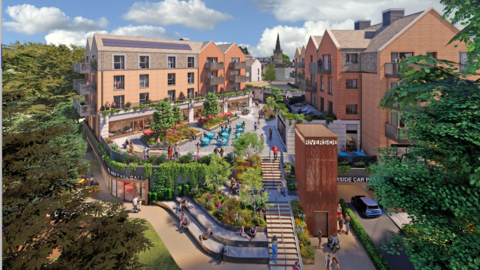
(366, 206)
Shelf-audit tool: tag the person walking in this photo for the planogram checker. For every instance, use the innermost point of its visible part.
(295, 267)
(135, 202)
(284, 186)
(131, 148)
(177, 150)
(335, 265)
(215, 151)
(198, 149)
(262, 138)
(222, 253)
(274, 248)
(339, 210)
(228, 120)
(319, 238)
(258, 122)
(170, 152)
(270, 132)
(275, 151)
(243, 124)
(340, 224)
(255, 126)
(328, 262)
(347, 223)
(279, 188)
(221, 151)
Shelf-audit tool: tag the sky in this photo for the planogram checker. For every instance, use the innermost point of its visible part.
(251, 23)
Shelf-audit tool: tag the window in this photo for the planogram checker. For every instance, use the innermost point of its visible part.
(432, 54)
(234, 73)
(322, 104)
(330, 86)
(247, 74)
(321, 79)
(119, 62)
(144, 61)
(143, 98)
(211, 59)
(463, 60)
(352, 58)
(143, 81)
(172, 62)
(190, 61)
(87, 59)
(118, 82)
(235, 60)
(311, 58)
(330, 107)
(352, 83)
(190, 78)
(212, 89)
(258, 73)
(352, 109)
(399, 56)
(393, 85)
(235, 87)
(190, 92)
(171, 78)
(119, 101)
(171, 95)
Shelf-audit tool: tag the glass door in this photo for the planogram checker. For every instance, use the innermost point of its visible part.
(129, 191)
(119, 101)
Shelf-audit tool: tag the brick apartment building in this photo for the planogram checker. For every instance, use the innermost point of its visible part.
(137, 70)
(358, 68)
(299, 65)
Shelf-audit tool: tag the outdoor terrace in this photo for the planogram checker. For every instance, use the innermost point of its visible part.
(84, 87)
(84, 107)
(85, 67)
(237, 78)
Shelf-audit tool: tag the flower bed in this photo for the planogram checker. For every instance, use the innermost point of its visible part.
(213, 121)
(180, 132)
(228, 209)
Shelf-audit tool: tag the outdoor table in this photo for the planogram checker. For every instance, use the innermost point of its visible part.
(359, 153)
(225, 134)
(210, 134)
(342, 153)
(239, 125)
(240, 129)
(205, 140)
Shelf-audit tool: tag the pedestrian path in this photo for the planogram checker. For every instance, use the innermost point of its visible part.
(400, 219)
(271, 174)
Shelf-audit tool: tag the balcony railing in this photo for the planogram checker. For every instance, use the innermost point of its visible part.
(84, 107)
(311, 87)
(300, 65)
(324, 68)
(393, 133)
(292, 64)
(292, 75)
(214, 80)
(237, 78)
(84, 67)
(392, 70)
(214, 66)
(84, 87)
(238, 65)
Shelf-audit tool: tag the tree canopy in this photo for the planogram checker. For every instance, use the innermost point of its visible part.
(244, 50)
(177, 114)
(270, 74)
(211, 106)
(163, 118)
(217, 171)
(248, 144)
(252, 184)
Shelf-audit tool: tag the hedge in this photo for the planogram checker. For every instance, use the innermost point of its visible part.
(375, 256)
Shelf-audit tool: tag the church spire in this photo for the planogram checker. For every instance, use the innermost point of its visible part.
(278, 49)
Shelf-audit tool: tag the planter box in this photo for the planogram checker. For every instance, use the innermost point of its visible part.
(214, 127)
(182, 142)
(308, 261)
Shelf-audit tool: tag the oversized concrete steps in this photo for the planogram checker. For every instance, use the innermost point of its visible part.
(279, 262)
(288, 257)
(286, 251)
(287, 246)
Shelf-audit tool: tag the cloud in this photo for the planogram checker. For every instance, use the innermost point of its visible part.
(335, 11)
(292, 37)
(28, 19)
(142, 31)
(193, 14)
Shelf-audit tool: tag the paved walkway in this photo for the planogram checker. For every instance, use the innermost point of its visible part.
(400, 218)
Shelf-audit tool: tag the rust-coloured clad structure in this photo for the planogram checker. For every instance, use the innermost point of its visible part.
(316, 173)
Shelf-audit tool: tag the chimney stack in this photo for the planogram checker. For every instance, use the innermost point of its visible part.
(362, 24)
(392, 14)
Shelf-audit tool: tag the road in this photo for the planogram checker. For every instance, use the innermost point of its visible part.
(379, 229)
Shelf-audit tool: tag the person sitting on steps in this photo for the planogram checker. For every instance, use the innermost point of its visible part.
(185, 224)
(205, 236)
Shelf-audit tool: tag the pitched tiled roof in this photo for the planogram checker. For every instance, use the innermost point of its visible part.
(195, 46)
(205, 44)
(351, 39)
(373, 27)
(249, 62)
(224, 47)
(317, 40)
(89, 42)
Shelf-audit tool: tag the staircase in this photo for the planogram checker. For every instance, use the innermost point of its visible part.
(271, 178)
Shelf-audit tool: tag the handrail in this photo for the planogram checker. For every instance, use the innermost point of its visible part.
(278, 212)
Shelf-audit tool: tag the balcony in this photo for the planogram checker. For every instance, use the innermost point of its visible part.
(311, 87)
(393, 133)
(324, 68)
(84, 87)
(237, 78)
(237, 65)
(214, 80)
(292, 64)
(214, 66)
(84, 108)
(299, 65)
(292, 75)
(85, 67)
(392, 70)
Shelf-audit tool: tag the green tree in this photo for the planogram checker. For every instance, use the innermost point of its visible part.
(437, 181)
(244, 50)
(285, 58)
(276, 93)
(42, 159)
(250, 191)
(163, 118)
(248, 144)
(270, 75)
(68, 110)
(217, 171)
(177, 114)
(210, 105)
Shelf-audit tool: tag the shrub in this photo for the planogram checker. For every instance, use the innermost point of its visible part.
(342, 160)
(180, 190)
(153, 160)
(168, 194)
(128, 104)
(297, 207)
(288, 165)
(359, 164)
(255, 159)
(318, 117)
(162, 158)
(186, 158)
(375, 256)
(308, 118)
(205, 160)
(343, 169)
(370, 170)
(186, 188)
(307, 252)
(133, 159)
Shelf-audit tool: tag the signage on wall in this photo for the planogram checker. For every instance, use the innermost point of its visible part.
(353, 179)
(320, 142)
(123, 176)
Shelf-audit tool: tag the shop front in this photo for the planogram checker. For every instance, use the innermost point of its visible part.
(185, 115)
(236, 105)
(129, 126)
(125, 187)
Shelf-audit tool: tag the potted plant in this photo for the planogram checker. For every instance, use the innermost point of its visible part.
(287, 168)
(128, 104)
(84, 108)
(82, 103)
(149, 101)
(135, 108)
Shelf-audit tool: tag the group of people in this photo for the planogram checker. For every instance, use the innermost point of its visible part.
(331, 264)
(90, 180)
(174, 152)
(282, 188)
(128, 145)
(216, 151)
(342, 221)
(107, 106)
(137, 202)
(250, 234)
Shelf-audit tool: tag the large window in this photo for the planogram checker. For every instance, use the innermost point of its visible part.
(235, 87)
(143, 98)
(330, 85)
(352, 83)
(322, 89)
(171, 62)
(171, 95)
(212, 59)
(396, 57)
(352, 58)
(143, 81)
(118, 82)
(119, 101)
(118, 62)
(212, 89)
(322, 104)
(171, 78)
(330, 107)
(190, 78)
(235, 60)
(352, 109)
(190, 61)
(144, 61)
(190, 92)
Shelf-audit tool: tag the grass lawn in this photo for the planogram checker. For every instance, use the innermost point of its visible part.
(157, 257)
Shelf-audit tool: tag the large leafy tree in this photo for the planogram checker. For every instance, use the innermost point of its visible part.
(163, 118)
(43, 210)
(252, 185)
(244, 50)
(247, 145)
(438, 180)
(210, 105)
(270, 75)
(217, 171)
(177, 114)
(36, 73)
